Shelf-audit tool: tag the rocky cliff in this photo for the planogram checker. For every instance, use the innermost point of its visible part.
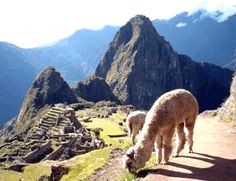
(227, 112)
(47, 89)
(94, 89)
(140, 65)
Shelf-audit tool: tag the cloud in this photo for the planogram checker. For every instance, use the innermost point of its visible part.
(180, 25)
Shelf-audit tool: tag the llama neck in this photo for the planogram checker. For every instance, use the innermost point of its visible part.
(145, 144)
(147, 138)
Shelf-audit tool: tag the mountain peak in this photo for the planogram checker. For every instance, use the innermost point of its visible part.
(47, 89)
(137, 34)
(139, 19)
(140, 65)
(139, 25)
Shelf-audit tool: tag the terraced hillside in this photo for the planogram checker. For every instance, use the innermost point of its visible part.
(61, 134)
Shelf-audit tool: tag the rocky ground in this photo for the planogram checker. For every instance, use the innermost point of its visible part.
(213, 159)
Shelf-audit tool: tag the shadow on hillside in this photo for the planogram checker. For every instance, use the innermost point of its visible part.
(222, 169)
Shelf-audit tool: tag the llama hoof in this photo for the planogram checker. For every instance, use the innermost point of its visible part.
(190, 151)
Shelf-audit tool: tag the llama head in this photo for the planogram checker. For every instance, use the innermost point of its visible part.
(133, 160)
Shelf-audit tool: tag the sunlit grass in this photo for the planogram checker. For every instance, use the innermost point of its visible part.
(127, 176)
(34, 171)
(6, 175)
(86, 164)
(31, 173)
(109, 127)
(119, 117)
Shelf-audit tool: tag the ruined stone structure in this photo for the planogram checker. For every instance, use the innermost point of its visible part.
(58, 127)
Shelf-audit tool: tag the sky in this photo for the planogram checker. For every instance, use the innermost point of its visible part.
(32, 23)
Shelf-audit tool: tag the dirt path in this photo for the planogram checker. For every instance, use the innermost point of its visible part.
(111, 171)
(214, 158)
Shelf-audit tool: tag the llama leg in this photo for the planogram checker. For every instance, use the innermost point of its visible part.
(158, 149)
(190, 127)
(133, 136)
(167, 140)
(180, 139)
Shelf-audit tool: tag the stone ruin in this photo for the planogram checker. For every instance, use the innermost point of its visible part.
(58, 128)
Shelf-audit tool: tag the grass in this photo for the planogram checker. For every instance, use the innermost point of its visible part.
(6, 175)
(109, 126)
(31, 173)
(119, 117)
(34, 171)
(86, 164)
(127, 176)
(151, 163)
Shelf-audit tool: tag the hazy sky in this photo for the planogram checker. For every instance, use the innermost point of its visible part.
(30, 23)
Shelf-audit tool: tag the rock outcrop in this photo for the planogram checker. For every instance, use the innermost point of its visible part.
(94, 89)
(48, 88)
(227, 112)
(140, 65)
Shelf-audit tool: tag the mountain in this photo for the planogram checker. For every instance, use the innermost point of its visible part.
(16, 76)
(47, 89)
(140, 65)
(75, 56)
(94, 89)
(202, 36)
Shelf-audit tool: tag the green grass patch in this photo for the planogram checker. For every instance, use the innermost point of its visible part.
(31, 173)
(86, 164)
(6, 175)
(34, 171)
(109, 127)
(127, 176)
(119, 117)
(151, 163)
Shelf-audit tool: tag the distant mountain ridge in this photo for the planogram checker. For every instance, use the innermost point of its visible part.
(75, 56)
(140, 65)
(201, 36)
(16, 75)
